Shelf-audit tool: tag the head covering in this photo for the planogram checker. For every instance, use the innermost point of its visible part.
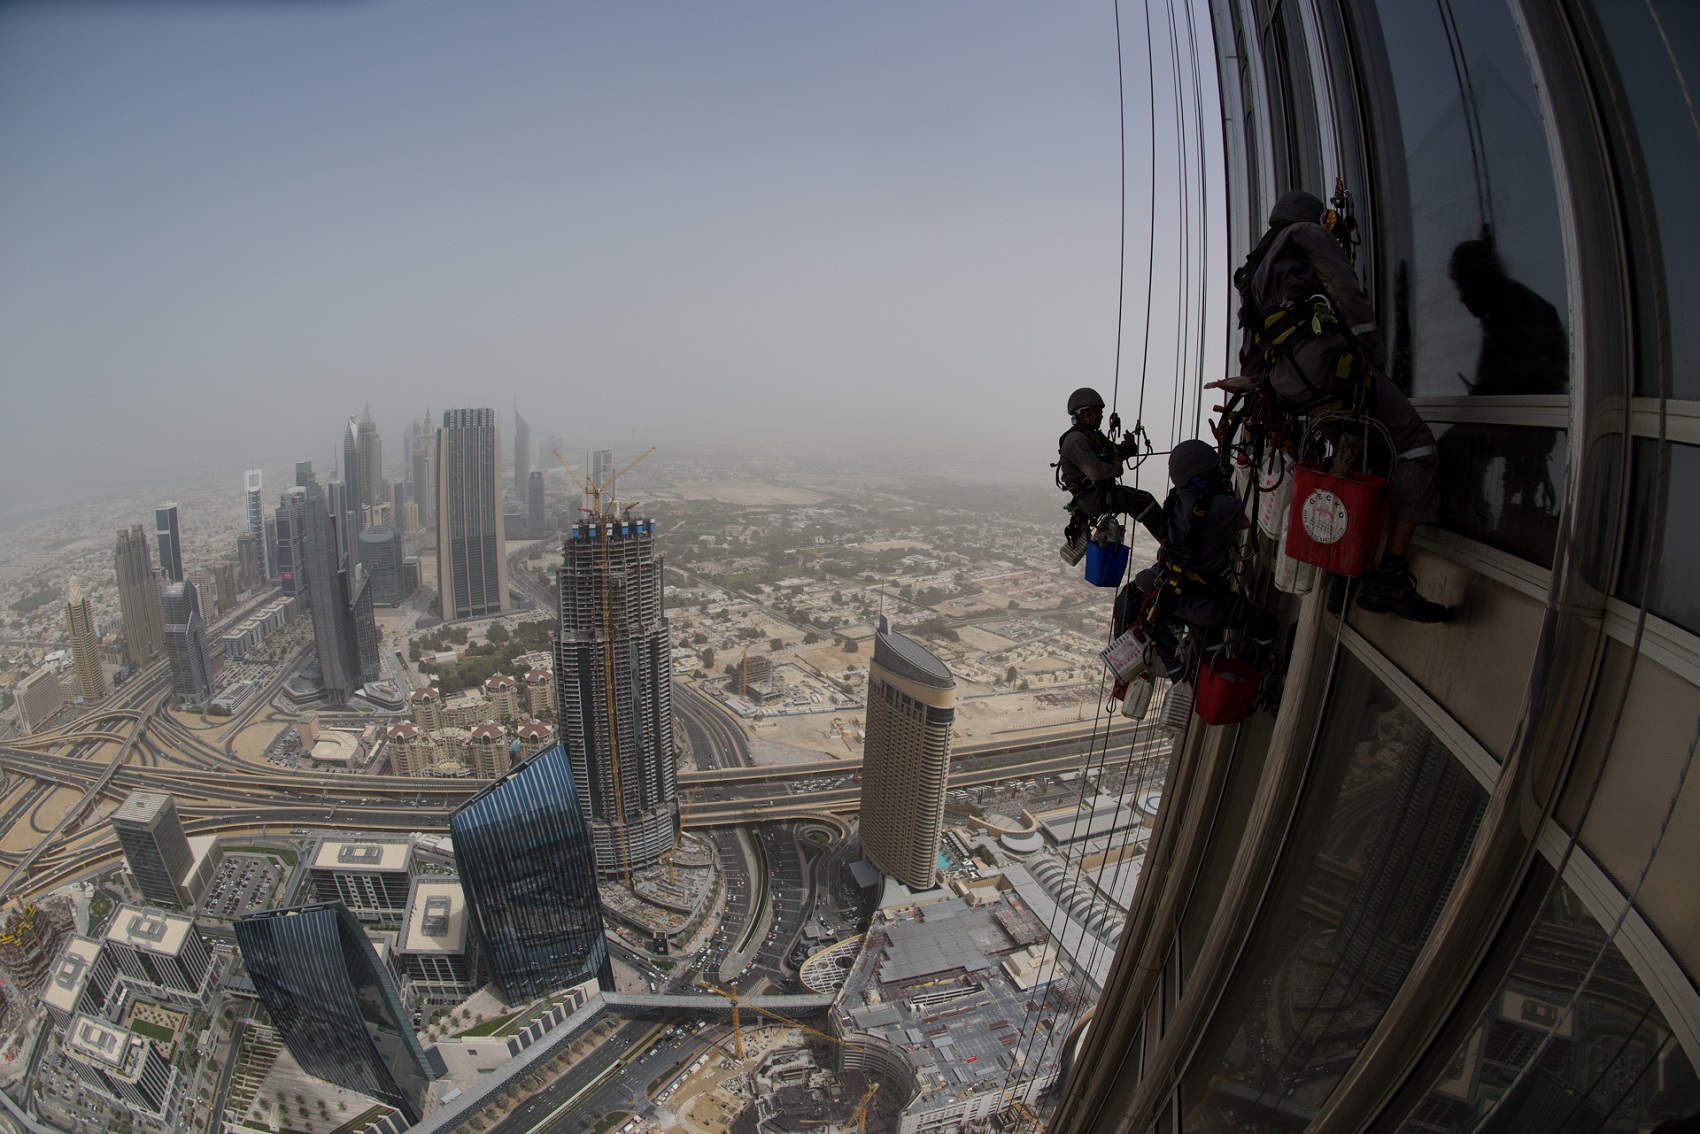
(1191, 458)
(1295, 206)
(1084, 398)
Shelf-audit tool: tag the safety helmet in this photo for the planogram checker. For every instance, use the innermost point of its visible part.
(1084, 398)
(1191, 458)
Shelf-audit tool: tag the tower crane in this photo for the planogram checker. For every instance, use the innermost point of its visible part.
(737, 1028)
(862, 1109)
(595, 489)
(1026, 1112)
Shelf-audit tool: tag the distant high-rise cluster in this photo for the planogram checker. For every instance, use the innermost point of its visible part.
(344, 633)
(906, 758)
(472, 559)
(614, 675)
(253, 491)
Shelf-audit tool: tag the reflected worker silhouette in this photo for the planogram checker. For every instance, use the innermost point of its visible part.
(1525, 351)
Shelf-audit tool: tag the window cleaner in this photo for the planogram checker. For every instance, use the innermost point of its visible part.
(1089, 467)
(1311, 340)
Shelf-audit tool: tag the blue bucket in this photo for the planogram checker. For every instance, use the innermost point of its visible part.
(1105, 565)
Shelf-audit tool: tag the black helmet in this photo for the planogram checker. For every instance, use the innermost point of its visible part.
(1191, 458)
(1084, 398)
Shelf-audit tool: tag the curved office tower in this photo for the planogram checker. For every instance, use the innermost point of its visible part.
(530, 879)
(906, 758)
(333, 1003)
(619, 735)
(1449, 886)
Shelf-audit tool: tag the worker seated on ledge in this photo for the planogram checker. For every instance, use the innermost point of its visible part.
(1310, 334)
(1192, 582)
(1089, 465)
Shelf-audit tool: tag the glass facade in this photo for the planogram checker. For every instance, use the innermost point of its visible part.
(1558, 1048)
(333, 1004)
(1503, 485)
(1373, 854)
(529, 871)
(1475, 267)
(1674, 583)
(1655, 50)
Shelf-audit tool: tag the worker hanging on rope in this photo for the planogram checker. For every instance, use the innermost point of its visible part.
(1191, 585)
(1089, 466)
(1311, 339)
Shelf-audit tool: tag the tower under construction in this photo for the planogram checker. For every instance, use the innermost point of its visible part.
(618, 733)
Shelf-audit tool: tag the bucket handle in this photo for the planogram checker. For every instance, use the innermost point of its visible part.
(1355, 420)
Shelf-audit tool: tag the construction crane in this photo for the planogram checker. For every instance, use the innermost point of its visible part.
(1024, 1111)
(744, 673)
(862, 1109)
(737, 1028)
(674, 849)
(596, 489)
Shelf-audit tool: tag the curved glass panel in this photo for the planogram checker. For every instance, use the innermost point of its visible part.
(1477, 275)
(1503, 485)
(1605, 1063)
(1675, 584)
(1373, 857)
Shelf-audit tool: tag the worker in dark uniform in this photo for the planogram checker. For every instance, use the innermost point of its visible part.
(1089, 464)
(1311, 334)
(1192, 581)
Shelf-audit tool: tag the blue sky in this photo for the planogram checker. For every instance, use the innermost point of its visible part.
(225, 227)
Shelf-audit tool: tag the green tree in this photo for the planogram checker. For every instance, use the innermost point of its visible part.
(498, 634)
(810, 638)
(1010, 676)
(707, 659)
(850, 646)
(774, 645)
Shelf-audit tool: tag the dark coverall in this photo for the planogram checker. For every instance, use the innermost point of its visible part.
(1088, 465)
(1195, 528)
(1305, 259)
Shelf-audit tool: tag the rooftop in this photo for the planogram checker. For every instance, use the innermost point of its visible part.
(150, 930)
(436, 918)
(70, 974)
(908, 659)
(339, 854)
(115, 1050)
(142, 807)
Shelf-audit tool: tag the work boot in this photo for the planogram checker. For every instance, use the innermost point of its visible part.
(1391, 589)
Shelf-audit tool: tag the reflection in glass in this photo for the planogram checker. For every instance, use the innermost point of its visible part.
(1612, 1064)
(1371, 863)
(1481, 268)
(1503, 485)
(1656, 47)
(1675, 583)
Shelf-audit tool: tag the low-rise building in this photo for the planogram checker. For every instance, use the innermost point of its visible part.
(371, 878)
(436, 946)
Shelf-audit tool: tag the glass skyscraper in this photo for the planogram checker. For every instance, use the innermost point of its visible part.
(529, 873)
(333, 1004)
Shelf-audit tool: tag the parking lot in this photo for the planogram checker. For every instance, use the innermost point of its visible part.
(244, 883)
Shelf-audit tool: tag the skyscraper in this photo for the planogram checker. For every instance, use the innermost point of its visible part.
(424, 471)
(599, 466)
(147, 826)
(85, 647)
(169, 538)
(522, 459)
(619, 736)
(255, 495)
(380, 556)
(350, 508)
(290, 525)
(250, 572)
(342, 519)
(528, 871)
(186, 643)
(534, 519)
(138, 598)
(370, 450)
(333, 1003)
(341, 603)
(472, 559)
(906, 758)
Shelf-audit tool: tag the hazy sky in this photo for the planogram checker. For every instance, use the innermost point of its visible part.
(226, 226)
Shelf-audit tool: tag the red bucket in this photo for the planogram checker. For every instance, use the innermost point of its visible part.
(1226, 691)
(1335, 521)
